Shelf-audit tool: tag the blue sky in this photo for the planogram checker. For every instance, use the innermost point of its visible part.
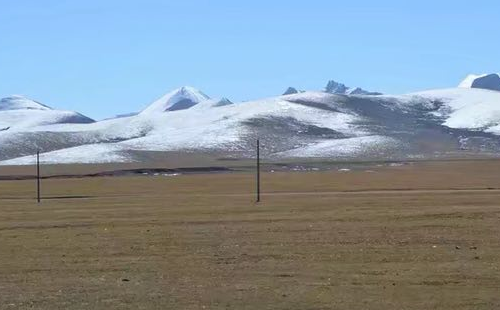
(103, 58)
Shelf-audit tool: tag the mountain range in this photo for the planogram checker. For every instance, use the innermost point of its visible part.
(338, 122)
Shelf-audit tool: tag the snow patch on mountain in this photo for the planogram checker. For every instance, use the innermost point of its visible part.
(19, 113)
(339, 123)
(179, 99)
(87, 154)
(341, 147)
(465, 108)
(25, 119)
(16, 102)
(221, 127)
(206, 126)
(213, 103)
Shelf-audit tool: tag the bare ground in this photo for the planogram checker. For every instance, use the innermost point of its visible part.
(420, 236)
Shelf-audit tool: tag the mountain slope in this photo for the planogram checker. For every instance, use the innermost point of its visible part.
(461, 108)
(16, 102)
(437, 123)
(20, 113)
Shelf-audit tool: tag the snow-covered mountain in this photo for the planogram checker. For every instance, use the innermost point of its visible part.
(180, 99)
(20, 113)
(448, 122)
(483, 81)
(16, 102)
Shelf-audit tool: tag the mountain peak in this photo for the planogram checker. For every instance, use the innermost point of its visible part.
(334, 87)
(17, 102)
(188, 90)
(483, 81)
(290, 91)
(213, 103)
(179, 99)
(223, 102)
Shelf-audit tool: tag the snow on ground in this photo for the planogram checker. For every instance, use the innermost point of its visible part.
(220, 126)
(16, 102)
(22, 120)
(217, 124)
(88, 154)
(208, 126)
(341, 147)
(18, 113)
(312, 96)
(466, 108)
(205, 125)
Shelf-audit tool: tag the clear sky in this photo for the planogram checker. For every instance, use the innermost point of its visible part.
(108, 57)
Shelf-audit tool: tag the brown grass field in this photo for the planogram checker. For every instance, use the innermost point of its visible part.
(419, 236)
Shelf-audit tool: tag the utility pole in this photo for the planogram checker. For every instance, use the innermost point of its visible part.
(258, 170)
(38, 176)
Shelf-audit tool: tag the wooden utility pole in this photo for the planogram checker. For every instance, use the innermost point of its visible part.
(38, 176)
(258, 170)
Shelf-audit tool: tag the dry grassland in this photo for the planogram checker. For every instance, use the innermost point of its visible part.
(422, 236)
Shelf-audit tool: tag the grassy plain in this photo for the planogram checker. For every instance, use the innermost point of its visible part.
(418, 236)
